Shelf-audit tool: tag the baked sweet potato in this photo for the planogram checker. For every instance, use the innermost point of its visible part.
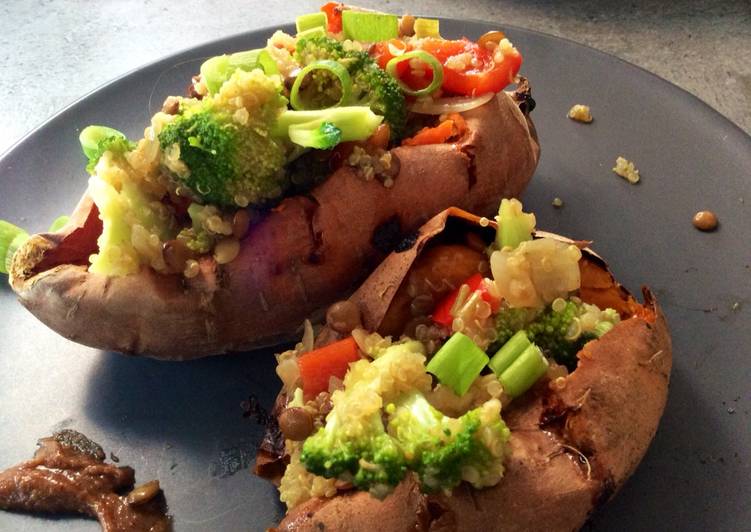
(575, 438)
(304, 254)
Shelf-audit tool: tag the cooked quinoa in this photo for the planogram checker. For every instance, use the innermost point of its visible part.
(626, 169)
(580, 113)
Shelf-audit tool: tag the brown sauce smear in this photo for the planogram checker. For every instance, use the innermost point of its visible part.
(68, 475)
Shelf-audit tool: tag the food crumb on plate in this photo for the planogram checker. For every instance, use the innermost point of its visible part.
(626, 169)
(580, 113)
(557, 203)
(705, 221)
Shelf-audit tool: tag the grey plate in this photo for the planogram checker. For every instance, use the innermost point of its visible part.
(181, 423)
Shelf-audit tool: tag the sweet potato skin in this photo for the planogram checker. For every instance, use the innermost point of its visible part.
(572, 446)
(305, 254)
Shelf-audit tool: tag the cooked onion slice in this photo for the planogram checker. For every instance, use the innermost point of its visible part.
(456, 104)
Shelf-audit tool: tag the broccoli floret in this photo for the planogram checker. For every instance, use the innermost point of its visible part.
(221, 148)
(444, 450)
(560, 330)
(353, 445)
(357, 450)
(371, 85)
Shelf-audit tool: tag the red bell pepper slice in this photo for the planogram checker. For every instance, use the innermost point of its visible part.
(333, 12)
(442, 313)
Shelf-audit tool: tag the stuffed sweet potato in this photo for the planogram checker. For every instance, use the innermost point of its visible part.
(580, 367)
(236, 217)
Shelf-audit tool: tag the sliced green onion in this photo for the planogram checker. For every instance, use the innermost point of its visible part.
(514, 225)
(369, 27)
(356, 122)
(345, 82)
(315, 134)
(426, 27)
(509, 352)
(524, 371)
(458, 363)
(91, 136)
(309, 21)
(312, 32)
(425, 57)
(11, 238)
(59, 223)
(602, 327)
(216, 70)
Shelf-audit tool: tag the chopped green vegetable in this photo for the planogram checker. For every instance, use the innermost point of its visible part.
(560, 330)
(224, 154)
(59, 223)
(458, 363)
(514, 225)
(353, 445)
(315, 134)
(312, 32)
(354, 122)
(371, 85)
(95, 140)
(216, 70)
(310, 21)
(509, 352)
(427, 27)
(523, 372)
(343, 91)
(11, 238)
(444, 450)
(425, 57)
(369, 27)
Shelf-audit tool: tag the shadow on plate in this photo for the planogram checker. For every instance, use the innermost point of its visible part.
(182, 403)
(678, 471)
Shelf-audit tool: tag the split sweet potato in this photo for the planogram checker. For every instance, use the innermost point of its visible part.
(304, 254)
(572, 445)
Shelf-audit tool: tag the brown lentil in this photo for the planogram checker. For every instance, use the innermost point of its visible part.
(240, 224)
(171, 105)
(192, 268)
(296, 423)
(406, 26)
(143, 493)
(343, 317)
(491, 36)
(705, 221)
(226, 250)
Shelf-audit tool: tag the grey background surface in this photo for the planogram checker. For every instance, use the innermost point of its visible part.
(54, 51)
(180, 423)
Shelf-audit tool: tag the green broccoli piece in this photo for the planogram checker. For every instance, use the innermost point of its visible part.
(220, 148)
(322, 136)
(371, 85)
(509, 321)
(358, 451)
(560, 330)
(95, 140)
(442, 450)
(325, 128)
(227, 164)
(196, 237)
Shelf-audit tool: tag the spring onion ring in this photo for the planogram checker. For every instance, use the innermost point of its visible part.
(332, 66)
(458, 104)
(425, 57)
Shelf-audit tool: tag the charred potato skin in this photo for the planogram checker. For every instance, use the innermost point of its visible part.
(572, 447)
(307, 253)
